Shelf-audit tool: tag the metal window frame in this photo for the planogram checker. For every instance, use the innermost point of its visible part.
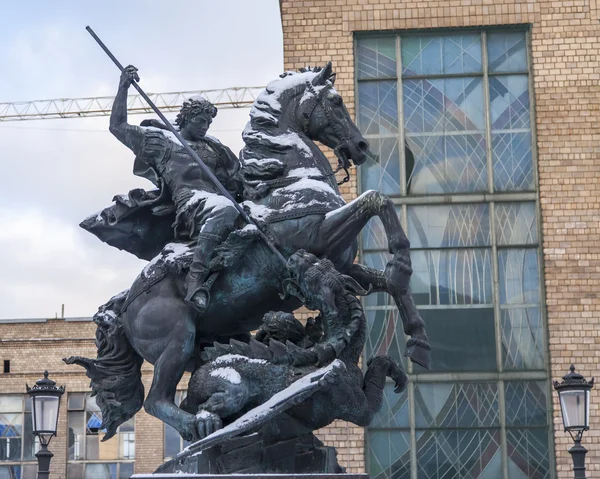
(22, 461)
(84, 462)
(489, 197)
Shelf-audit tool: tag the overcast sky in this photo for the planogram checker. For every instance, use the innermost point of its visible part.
(57, 172)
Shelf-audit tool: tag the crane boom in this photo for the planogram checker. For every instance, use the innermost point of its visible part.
(236, 97)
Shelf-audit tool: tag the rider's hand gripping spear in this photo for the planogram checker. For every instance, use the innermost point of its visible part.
(194, 155)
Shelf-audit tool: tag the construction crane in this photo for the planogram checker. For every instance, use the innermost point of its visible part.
(236, 97)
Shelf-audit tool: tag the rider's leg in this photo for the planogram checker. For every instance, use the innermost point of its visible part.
(213, 227)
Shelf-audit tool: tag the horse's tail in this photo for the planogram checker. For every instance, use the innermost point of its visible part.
(116, 378)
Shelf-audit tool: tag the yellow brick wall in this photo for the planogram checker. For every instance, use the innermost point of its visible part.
(565, 43)
(34, 347)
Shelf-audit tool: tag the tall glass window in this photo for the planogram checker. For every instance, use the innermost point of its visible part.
(88, 456)
(449, 122)
(17, 443)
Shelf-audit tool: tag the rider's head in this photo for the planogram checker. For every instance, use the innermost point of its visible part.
(195, 118)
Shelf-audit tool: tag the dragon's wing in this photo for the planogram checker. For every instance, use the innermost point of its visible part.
(291, 396)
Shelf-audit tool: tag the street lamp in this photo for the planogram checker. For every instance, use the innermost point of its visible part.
(45, 399)
(574, 396)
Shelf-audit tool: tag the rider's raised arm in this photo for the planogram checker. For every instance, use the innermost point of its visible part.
(130, 135)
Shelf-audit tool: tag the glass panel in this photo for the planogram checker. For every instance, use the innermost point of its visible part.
(573, 408)
(381, 171)
(447, 164)
(171, 442)
(11, 403)
(92, 446)
(522, 338)
(100, 471)
(385, 334)
(376, 58)
(127, 441)
(452, 405)
(515, 223)
(452, 276)
(75, 471)
(90, 403)
(93, 421)
(11, 425)
(461, 339)
(389, 454)
(459, 454)
(507, 52)
(46, 412)
(513, 162)
(509, 102)
(10, 472)
(526, 403)
(449, 226)
(76, 401)
(444, 105)
(29, 441)
(423, 106)
(10, 448)
(125, 470)
(528, 454)
(434, 55)
(373, 235)
(75, 424)
(378, 108)
(29, 471)
(519, 276)
(394, 411)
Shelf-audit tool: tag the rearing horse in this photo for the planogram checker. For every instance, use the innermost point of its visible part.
(291, 187)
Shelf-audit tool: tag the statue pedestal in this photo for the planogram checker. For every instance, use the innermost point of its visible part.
(252, 476)
(300, 456)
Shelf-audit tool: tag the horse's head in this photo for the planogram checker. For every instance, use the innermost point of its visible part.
(324, 118)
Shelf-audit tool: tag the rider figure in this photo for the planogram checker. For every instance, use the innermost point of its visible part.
(202, 215)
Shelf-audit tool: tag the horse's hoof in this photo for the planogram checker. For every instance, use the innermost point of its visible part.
(419, 354)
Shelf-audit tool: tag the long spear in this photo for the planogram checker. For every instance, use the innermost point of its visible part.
(194, 155)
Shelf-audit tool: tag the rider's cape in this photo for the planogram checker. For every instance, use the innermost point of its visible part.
(140, 222)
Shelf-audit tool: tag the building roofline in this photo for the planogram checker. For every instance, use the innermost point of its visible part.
(44, 320)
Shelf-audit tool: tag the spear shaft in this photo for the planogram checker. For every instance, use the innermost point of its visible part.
(205, 169)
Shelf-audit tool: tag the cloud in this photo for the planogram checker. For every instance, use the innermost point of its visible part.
(47, 262)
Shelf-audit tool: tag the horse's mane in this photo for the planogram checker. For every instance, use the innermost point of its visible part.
(263, 144)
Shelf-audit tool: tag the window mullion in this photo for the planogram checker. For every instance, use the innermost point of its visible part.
(400, 107)
(496, 285)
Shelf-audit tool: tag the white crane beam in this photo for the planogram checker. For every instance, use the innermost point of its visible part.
(236, 97)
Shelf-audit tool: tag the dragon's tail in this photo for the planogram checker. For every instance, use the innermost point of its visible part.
(115, 374)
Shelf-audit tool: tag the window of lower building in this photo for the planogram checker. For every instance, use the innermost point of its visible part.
(448, 118)
(173, 442)
(17, 442)
(88, 456)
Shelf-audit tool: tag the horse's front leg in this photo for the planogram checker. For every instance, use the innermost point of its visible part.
(340, 227)
(417, 347)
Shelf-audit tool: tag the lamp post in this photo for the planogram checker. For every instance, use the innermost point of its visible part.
(45, 399)
(574, 395)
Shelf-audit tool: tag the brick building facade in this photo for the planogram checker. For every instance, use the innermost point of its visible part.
(561, 76)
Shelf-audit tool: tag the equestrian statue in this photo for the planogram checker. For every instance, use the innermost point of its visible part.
(225, 241)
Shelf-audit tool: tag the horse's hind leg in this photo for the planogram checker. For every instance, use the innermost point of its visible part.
(177, 349)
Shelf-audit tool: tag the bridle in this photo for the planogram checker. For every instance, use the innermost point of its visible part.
(317, 100)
